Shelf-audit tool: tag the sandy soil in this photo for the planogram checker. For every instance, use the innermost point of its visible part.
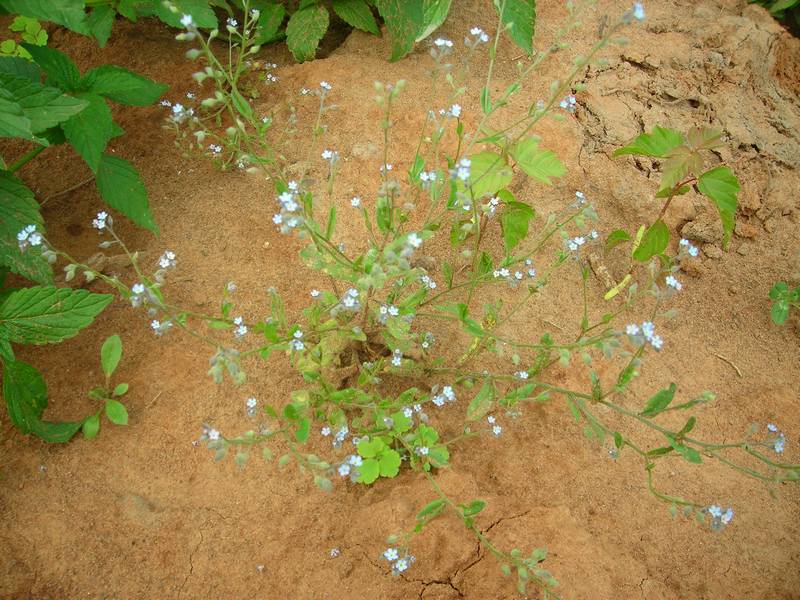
(141, 512)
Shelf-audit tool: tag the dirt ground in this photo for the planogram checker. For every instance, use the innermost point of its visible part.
(141, 512)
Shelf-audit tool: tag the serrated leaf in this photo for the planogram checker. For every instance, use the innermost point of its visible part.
(489, 173)
(389, 463)
(357, 14)
(482, 402)
(110, 354)
(514, 220)
(405, 20)
(116, 412)
(654, 242)
(122, 188)
(13, 122)
(521, 14)
(122, 85)
(659, 401)
(42, 105)
(25, 393)
(68, 13)
(100, 23)
(14, 65)
(435, 13)
(90, 130)
(43, 314)
(657, 144)
(61, 71)
(17, 210)
(368, 471)
(537, 162)
(305, 29)
(201, 11)
(721, 186)
(269, 22)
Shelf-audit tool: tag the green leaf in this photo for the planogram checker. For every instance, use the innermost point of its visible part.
(474, 508)
(122, 188)
(430, 510)
(60, 70)
(721, 187)
(489, 173)
(110, 354)
(91, 426)
(405, 20)
(305, 30)
(401, 423)
(14, 65)
(482, 402)
(514, 221)
(90, 130)
(13, 122)
(100, 22)
(435, 13)
(486, 100)
(659, 401)
(303, 429)
(68, 13)
(389, 463)
(17, 210)
(121, 389)
(269, 21)
(201, 11)
(369, 471)
(383, 214)
(536, 162)
(521, 15)
(42, 315)
(370, 448)
(42, 105)
(116, 412)
(653, 242)
(25, 393)
(658, 143)
(690, 454)
(779, 312)
(357, 14)
(617, 237)
(122, 86)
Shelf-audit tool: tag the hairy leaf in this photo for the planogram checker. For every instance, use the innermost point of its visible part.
(17, 210)
(305, 30)
(435, 12)
(200, 10)
(269, 22)
(521, 16)
(514, 220)
(657, 144)
(60, 70)
(489, 173)
(101, 22)
(721, 187)
(404, 19)
(121, 186)
(68, 13)
(42, 105)
(482, 402)
(537, 162)
(90, 130)
(357, 14)
(122, 85)
(659, 402)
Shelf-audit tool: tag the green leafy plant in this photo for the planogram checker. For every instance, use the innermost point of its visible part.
(31, 32)
(40, 315)
(784, 299)
(683, 168)
(405, 358)
(116, 413)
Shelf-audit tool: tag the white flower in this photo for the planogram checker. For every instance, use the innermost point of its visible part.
(167, 260)
(632, 329)
(138, 288)
(414, 240)
(408, 412)
(779, 444)
(390, 554)
(648, 329)
(344, 469)
(325, 85)
(455, 111)
(657, 342)
(449, 393)
(491, 420)
(442, 43)
(233, 23)
(213, 435)
(251, 402)
(315, 293)
(397, 358)
(773, 428)
(638, 11)
(401, 565)
(423, 451)
(241, 328)
(521, 374)
(355, 460)
(355, 202)
(100, 221)
(187, 21)
(497, 430)
(462, 170)
(327, 154)
(673, 282)
(325, 431)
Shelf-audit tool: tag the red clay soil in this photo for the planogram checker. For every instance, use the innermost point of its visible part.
(142, 512)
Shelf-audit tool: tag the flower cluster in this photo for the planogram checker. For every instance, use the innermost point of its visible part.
(646, 333)
(569, 104)
(462, 169)
(297, 341)
(289, 218)
(686, 246)
(400, 564)
(447, 395)
(386, 311)
(719, 519)
(479, 37)
(349, 468)
(167, 260)
(780, 441)
(29, 237)
(102, 220)
(497, 430)
(348, 303)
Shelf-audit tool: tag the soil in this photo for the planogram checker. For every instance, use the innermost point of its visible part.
(142, 512)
